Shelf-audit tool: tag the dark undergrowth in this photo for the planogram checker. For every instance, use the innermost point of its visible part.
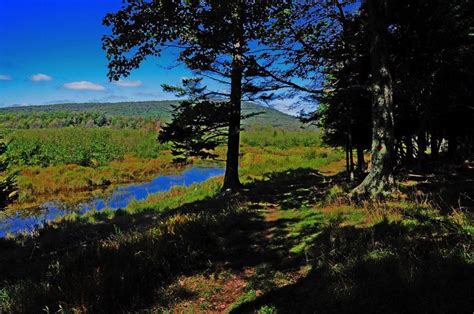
(387, 268)
(421, 261)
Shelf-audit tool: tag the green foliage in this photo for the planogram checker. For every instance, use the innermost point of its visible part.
(197, 128)
(62, 119)
(215, 38)
(280, 138)
(7, 178)
(133, 115)
(267, 309)
(87, 147)
(438, 109)
(199, 125)
(5, 301)
(145, 109)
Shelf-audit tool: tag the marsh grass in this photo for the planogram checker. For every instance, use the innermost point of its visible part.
(37, 182)
(81, 146)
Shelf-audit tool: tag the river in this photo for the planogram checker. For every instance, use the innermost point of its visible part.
(120, 197)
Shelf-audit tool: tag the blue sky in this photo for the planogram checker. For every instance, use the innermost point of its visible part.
(50, 52)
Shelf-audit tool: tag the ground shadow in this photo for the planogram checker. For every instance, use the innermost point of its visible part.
(121, 264)
(446, 186)
(388, 268)
(124, 264)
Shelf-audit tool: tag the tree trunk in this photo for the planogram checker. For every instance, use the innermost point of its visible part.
(360, 159)
(231, 177)
(410, 151)
(351, 159)
(380, 179)
(422, 145)
(434, 146)
(347, 158)
(452, 146)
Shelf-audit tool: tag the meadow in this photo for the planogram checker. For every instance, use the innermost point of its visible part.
(290, 241)
(64, 160)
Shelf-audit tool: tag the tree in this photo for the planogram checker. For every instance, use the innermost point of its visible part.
(198, 124)
(380, 179)
(7, 180)
(430, 52)
(312, 31)
(221, 40)
(344, 107)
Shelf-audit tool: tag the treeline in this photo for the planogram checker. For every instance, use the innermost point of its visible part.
(152, 109)
(430, 58)
(64, 119)
(393, 76)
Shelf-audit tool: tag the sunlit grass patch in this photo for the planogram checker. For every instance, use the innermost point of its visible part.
(177, 196)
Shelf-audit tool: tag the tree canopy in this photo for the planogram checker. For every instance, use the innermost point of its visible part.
(389, 76)
(220, 40)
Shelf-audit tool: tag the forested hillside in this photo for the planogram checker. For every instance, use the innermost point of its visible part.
(123, 115)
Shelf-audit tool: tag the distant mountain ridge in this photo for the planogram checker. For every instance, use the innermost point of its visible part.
(160, 110)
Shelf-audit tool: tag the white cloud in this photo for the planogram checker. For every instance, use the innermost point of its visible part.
(128, 83)
(84, 85)
(5, 77)
(40, 77)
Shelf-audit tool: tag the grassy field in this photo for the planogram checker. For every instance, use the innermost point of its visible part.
(65, 160)
(290, 242)
(59, 149)
(80, 146)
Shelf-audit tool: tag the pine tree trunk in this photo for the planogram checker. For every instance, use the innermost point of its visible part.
(360, 159)
(434, 146)
(410, 150)
(231, 177)
(347, 158)
(422, 145)
(351, 159)
(452, 146)
(380, 179)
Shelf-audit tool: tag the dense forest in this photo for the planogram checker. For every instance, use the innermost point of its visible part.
(217, 202)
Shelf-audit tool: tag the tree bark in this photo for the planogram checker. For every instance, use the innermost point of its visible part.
(380, 180)
(351, 159)
(410, 150)
(452, 146)
(360, 159)
(422, 145)
(434, 146)
(231, 177)
(347, 158)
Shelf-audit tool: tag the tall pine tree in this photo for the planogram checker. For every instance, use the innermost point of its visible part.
(221, 40)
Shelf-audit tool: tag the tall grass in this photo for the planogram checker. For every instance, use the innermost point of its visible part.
(81, 146)
(77, 159)
(280, 138)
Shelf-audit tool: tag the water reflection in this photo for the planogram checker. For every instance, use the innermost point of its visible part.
(118, 198)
